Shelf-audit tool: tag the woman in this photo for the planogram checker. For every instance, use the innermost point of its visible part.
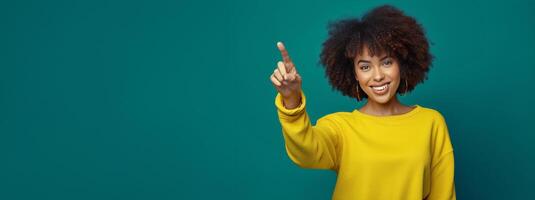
(385, 149)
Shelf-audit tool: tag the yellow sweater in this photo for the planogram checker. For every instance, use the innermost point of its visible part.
(398, 157)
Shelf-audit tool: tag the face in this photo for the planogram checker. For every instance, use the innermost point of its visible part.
(378, 76)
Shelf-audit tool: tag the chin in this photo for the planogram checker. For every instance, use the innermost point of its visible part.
(381, 99)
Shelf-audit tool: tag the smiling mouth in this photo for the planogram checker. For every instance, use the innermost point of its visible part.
(380, 88)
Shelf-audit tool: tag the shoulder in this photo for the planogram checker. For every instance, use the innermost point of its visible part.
(434, 117)
(432, 113)
(337, 117)
(337, 120)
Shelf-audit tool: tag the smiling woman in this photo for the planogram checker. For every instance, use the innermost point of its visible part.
(377, 75)
(384, 32)
(384, 150)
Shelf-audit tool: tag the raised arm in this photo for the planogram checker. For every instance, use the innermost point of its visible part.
(307, 146)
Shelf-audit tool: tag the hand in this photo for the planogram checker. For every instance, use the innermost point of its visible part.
(286, 79)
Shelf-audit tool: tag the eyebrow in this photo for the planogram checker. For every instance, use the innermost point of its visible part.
(367, 61)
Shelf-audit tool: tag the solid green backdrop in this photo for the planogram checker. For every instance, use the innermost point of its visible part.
(172, 99)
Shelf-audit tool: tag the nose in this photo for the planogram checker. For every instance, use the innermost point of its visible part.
(378, 74)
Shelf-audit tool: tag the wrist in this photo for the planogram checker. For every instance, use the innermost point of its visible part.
(291, 102)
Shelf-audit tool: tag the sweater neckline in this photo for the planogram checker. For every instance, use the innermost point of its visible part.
(416, 108)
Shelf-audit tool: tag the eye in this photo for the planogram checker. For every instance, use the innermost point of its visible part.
(387, 62)
(364, 67)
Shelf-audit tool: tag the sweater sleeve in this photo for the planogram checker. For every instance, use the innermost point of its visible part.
(443, 164)
(308, 146)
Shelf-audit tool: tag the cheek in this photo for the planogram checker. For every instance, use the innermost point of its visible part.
(394, 71)
(394, 75)
(363, 78)
(360, 76)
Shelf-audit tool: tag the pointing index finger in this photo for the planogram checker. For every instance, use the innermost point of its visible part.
(285, 55)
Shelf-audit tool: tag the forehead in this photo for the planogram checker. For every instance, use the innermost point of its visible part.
(366, 54)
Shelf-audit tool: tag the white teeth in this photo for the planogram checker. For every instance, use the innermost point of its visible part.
(380, 88)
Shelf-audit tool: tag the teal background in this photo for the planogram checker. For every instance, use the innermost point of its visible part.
(172, 99)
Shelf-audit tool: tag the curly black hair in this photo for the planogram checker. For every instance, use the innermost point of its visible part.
(384, 29)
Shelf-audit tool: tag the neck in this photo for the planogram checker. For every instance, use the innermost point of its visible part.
(392, 107)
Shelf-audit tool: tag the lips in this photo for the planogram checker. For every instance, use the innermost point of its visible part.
(380, 89)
